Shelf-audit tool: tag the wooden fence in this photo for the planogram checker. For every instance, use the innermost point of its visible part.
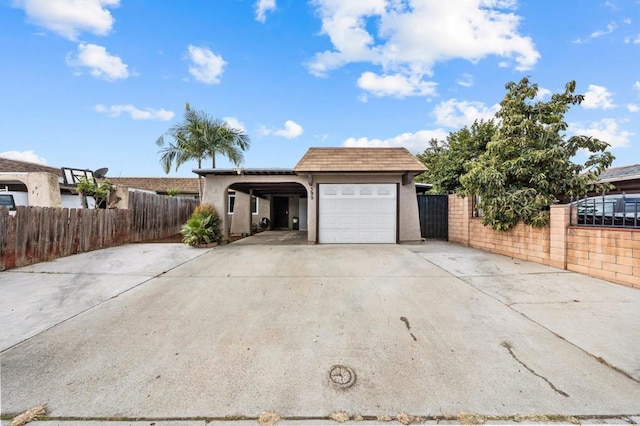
(157, 216)
(37, 234)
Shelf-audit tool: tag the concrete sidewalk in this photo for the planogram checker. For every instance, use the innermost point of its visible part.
(432, 330)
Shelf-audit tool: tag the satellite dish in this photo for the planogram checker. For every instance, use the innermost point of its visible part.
(101, 173)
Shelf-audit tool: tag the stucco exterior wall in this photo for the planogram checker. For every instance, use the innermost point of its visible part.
(43, 188)
(241, 217)
(216, 190)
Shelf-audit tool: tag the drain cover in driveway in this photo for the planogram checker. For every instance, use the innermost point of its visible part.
(341, 376)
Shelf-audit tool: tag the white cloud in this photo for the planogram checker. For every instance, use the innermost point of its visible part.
(633, 107)
(597, 97)
(206, 66)
(396, 85)
(414, 142)
(101, 64)
(410, 39)
(262, 7)
(457, 114)
(636, 85)
(606, 130)
(542, 94)
(69, 18)
(465, 80)
(28, 156)
(291, 130)
(234, 123)
(135, 113)
(599, 33)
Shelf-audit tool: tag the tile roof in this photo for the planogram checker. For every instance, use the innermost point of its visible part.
(359, 160)
(614, 174)
(158, 184)
(8, 165)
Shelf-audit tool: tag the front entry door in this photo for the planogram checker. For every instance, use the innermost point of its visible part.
(280, 212)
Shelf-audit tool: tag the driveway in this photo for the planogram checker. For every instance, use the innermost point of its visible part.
(430, 330)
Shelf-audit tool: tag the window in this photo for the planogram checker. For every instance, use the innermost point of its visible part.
(231, 202)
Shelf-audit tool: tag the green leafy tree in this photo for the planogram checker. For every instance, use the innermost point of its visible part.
(528, 164)
(447, 160)
(199, 136)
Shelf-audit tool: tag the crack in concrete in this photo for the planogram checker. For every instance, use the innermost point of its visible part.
(508, 346)
(382, 304)
(510, 306)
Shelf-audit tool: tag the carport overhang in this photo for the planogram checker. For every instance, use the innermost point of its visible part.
(263, 183)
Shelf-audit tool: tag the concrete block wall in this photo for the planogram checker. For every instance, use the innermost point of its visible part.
(459, 215)
(522, 242)
(608, 253)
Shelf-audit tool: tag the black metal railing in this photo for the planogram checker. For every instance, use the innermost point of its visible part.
(613, 211)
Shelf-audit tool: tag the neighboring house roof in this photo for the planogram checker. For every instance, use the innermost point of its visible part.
(15, 166)
(158, 184)
(615, 174)
(359, 160)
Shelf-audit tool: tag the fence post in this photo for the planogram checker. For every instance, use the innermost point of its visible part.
(559, 226)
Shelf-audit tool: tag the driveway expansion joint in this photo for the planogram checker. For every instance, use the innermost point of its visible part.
(511, 306)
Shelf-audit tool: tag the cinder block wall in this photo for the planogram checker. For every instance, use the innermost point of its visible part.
(522, 242)
(608, 253)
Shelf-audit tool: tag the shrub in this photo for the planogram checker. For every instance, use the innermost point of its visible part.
(203, 226)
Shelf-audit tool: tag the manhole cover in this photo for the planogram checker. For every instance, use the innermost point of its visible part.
(341, 376)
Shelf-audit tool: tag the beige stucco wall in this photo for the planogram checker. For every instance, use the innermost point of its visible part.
(241, 217)
(43, 188)
(216, 189)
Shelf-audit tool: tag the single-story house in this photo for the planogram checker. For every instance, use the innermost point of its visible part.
(33, 184)
(338, 195)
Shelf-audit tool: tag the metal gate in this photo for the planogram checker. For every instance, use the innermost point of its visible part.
(434, 216)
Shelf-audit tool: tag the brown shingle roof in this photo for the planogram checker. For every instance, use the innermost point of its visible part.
(158, 184)
(8, 165)
(359, 160)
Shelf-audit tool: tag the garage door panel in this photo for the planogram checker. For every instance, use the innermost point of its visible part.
(357, 213)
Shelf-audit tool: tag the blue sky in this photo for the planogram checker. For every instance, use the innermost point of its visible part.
(93, 83)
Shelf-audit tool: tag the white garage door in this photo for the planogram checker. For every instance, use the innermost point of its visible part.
(357, 213)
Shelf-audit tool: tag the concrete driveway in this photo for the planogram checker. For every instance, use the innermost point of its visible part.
(430, 330)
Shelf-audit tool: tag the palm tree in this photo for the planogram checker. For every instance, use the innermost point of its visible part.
(200, 136)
